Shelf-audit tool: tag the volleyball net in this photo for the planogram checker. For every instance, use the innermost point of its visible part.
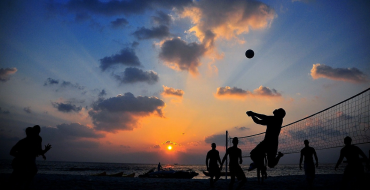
(324, 130)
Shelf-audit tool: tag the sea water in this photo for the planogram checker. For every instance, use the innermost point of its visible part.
(90, 168)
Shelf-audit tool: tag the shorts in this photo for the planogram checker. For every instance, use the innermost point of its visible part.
(236, 171)
(214, 170)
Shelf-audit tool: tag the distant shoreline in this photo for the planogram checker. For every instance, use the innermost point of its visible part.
(61, 181)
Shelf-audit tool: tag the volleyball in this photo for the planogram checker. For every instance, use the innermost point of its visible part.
(249, 53)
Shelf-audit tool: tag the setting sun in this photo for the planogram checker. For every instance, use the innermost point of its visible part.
(169, 147)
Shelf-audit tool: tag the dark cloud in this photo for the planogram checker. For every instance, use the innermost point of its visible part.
(66, 107)
(162, 18)
(159, 32)
(102, 93)
(63, 84)
(181, 55)
(134, 44)
(235, 92)
(352, 75)
(119, 23)
(66, 84)
(4, 112)
(50, 81)
(126, 57)
(5, 73)
(218, 139)
(27, 109)
(124, 111)
(168, 91)
(72, 130)
(170, 142)
(242, 128)
(112, 8)
(133, 75)
(156, 146)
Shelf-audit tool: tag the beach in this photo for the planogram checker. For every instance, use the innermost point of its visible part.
(62, 181)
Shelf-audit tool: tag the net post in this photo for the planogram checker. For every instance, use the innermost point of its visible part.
(227, 139)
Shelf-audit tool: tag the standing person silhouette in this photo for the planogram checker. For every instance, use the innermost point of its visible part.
(271, 141)
(354, 168)
(24, 162)
(235, 157)
(214, 157)
(309, 167)
(159, 166)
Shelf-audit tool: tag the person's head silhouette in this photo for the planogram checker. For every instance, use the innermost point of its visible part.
(213, 146)
(29, 131)
(306, 143)
(347, 140)
(235, 141)
(279, 112)
(37, 129)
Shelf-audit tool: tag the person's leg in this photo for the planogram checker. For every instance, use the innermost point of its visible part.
(272, 160)
(232, 180)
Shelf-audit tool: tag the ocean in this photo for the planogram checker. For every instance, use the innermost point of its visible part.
(89, 168)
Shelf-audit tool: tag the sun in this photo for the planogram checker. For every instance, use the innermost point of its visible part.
(169, 147)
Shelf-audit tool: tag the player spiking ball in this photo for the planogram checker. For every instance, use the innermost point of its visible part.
(249, 54)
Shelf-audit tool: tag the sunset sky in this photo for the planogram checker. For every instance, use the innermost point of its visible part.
(120, 81)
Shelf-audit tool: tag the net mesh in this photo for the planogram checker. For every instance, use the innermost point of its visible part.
(325, 129)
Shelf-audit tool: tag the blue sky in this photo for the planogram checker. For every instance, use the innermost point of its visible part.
(122, 79)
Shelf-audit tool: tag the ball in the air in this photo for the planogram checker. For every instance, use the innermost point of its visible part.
(249, 53)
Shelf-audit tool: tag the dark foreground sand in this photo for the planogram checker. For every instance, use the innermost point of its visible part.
(56, 182)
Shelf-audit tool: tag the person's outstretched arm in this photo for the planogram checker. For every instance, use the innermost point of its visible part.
(300, 161)
(339, 160)
(317, 160)
(47, 148)
(218, 158)
(223, 160)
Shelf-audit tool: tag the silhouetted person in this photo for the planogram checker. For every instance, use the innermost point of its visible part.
(309, 167)
(354, 169)
(38, 139)
(270, 144)
(214, 158)
(235, 157)
(159, 166)
(24, 162)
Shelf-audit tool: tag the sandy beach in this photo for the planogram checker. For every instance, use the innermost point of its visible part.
(58, 181)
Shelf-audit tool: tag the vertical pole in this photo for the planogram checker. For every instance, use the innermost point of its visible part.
(227, 140)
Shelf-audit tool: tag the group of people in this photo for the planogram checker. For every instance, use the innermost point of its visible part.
(25, 152)
(267, 149)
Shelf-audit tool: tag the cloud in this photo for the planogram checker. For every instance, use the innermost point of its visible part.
(66, 107)
(162, 18)
(112, 8)
(304, 1)
(242, 128)
(72, 130)
(5, 73)
(227, 19)
(4, 112)
(132, 75)
(181, 55)
(27, 109)
(119, 23)
(157, 146)
(50, 81)
(124, 146)
(169, 91)
(235, 92)
(126, 56)
(170, 143)
(352, 75)
(123, 111)
(102, 93)
(62, 84)
(219, 139)
(158, 32)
